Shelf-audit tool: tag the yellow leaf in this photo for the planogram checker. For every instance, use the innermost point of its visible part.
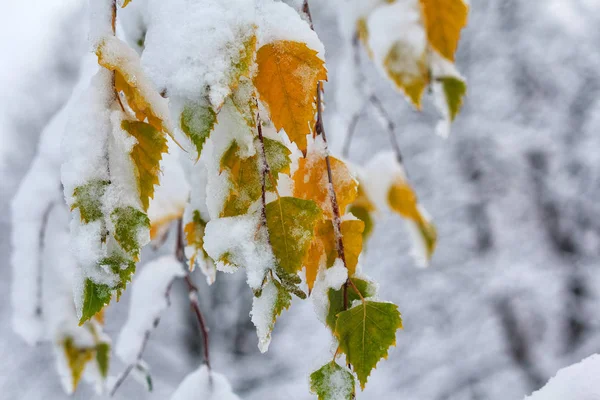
(286, 80)
(410, 74)
(77, 359)
(402, 199)
(443, 21)
(311, 182)
(146, 155)
(324, 245)
(194, 236)
(159, 227)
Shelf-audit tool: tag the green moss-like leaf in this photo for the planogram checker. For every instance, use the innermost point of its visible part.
(291, 222)
(197, 122)
(88, 198)
(336, 299)
(278, 159)
(454, 90)
(103, 358)
(332, 382)
(365, 333)
(128, 223)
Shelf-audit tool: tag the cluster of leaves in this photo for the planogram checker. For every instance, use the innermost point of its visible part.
(420, 52)
(294, 210)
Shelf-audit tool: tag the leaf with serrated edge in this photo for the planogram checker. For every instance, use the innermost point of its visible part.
(88, 198)
(332, 382)
(286, 81)
(336, 298)
(291, 222)
(197, 122)
(146, 155)
(128, 223)
(365, 333)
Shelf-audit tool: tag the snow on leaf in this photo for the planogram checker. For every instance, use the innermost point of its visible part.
(77, 360)
(267, 305)
(409, 73)
(194, 236)
(311, 180)
(88, 199)
(146, 155)
(129, 224)
(443, 20)
(286, 81)
(204, 384)
(332, 382)
(336, 298)
(365, 333)
(291, 222)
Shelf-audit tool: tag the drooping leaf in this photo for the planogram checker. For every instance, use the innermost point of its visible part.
(454, 91)
(103, 358)
(244, 174)
(142, 98)
(88, 198)
(408, 72)
(286, 81)
(362, 208)
(96, 295)
(365, 333)
(146, 155)
(332, 382)
(443, 21)
(311, 182)
(268, 304)
(194, 236)
(197, 122)
(77, 359)
(291, 222)
(336, 298)
(403, 200)
(129, 224)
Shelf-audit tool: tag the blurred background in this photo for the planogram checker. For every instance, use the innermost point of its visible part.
(512, 294)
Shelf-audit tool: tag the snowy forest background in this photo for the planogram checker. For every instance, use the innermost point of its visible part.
(513, 291)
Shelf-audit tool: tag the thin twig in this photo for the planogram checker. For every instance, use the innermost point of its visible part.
(192, 292)
(138, 359)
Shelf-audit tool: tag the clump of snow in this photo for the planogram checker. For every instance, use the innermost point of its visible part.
(578, 382)
(148, 300)
(204, 384)
(191, 46)
(100, 14)
(262, 315)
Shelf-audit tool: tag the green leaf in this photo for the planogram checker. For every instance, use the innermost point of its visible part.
(271, 300)
(88, 198)
(332, 382)
(97, 295)
(336, 298)
(103, 358)
(197, 122)
(291, 222)
(128, 222)
(454, 91)
(278, 158)
(365, 333)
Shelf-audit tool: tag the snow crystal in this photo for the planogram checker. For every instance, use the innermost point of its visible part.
(578, 381)
(206, 385)
(148, 300)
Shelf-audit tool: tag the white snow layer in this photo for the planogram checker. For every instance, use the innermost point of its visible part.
(149, 298)
(206, 385)
(579, 381)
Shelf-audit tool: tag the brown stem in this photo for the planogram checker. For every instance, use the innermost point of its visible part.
(192, 292)
(265, 170)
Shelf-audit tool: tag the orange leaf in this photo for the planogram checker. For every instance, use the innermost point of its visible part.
(286, 81)
(444, 20)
